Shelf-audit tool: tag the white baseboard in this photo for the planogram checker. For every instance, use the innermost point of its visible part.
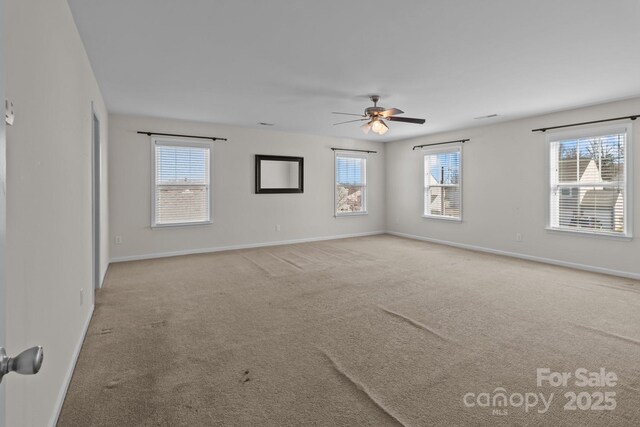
(244, 246)
(577, 266)
(103, 274)
(69, 374)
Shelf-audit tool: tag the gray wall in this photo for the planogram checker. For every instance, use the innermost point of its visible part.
(240, 217)
(505, 193)
(49, 260)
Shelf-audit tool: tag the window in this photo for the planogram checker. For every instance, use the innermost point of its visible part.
(442, 179)
(588, 181)
(181, 182)
(351, 184)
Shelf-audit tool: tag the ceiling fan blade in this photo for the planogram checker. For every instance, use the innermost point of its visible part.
(391, 112)
(366, 127)
(350, 121)
(348, 114)
(406, 120)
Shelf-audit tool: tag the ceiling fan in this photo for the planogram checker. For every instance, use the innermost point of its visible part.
(375, 115)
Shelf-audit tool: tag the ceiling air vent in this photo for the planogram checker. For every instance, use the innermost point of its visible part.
(490, 116)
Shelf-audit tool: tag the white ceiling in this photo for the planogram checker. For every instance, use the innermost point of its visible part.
(293, 62)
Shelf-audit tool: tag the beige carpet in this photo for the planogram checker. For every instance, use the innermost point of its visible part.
(367, 331)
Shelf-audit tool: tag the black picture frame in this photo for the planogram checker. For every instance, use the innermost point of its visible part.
(300, 160)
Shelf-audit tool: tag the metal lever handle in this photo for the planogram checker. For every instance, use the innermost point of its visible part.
(28, 362)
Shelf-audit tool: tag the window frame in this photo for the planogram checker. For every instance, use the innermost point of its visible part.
(586, 132)
(426, 151)
(179, 142)
(365, 195)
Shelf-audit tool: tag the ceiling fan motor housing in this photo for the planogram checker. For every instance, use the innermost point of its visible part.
(373, 111)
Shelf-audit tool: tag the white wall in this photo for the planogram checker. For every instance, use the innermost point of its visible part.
(240, 216)
(505, 192)
(49, 260)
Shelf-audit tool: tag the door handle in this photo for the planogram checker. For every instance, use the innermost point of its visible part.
(28, 362)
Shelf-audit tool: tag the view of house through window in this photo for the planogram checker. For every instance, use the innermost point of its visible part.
(442, 178)
(181, 182)
(351, 183)
(588, 183)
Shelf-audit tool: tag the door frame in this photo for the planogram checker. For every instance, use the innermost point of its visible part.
(3, 212)
(96, 181)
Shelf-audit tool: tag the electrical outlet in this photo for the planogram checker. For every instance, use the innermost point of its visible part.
(81, 296)
(118, 240)
(518, 237)
(278, 227)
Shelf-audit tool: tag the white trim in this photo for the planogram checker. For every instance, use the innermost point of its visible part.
(348, 214)
(179, 142)
(628, 185)
(443, 217)
(355, 153)
(588, 131)
(577, 266)
(568, 264)
(365, 194)
(243, 246)
(103, 274)
(96, 226)
(625, 127)
(596, 234)
(3, 211)
(440, 150)
(67, 378)
(437, 150)
(180, 224)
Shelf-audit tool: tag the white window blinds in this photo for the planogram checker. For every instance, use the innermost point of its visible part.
(181, 183)
(442, 184)
(588, 184)
(351, 183)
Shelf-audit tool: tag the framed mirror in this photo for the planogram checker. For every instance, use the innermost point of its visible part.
(279, 174)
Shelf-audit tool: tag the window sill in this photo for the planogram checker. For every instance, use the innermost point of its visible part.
(181, 224)
(610, 236)
(443, 218)
(348, 214)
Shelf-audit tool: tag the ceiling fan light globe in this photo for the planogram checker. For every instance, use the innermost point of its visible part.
(383, 129)
(376, 126)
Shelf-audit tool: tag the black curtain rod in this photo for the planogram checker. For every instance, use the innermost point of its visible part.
(440, 143)
(213, 138)
(586, 123)
(346, 149)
